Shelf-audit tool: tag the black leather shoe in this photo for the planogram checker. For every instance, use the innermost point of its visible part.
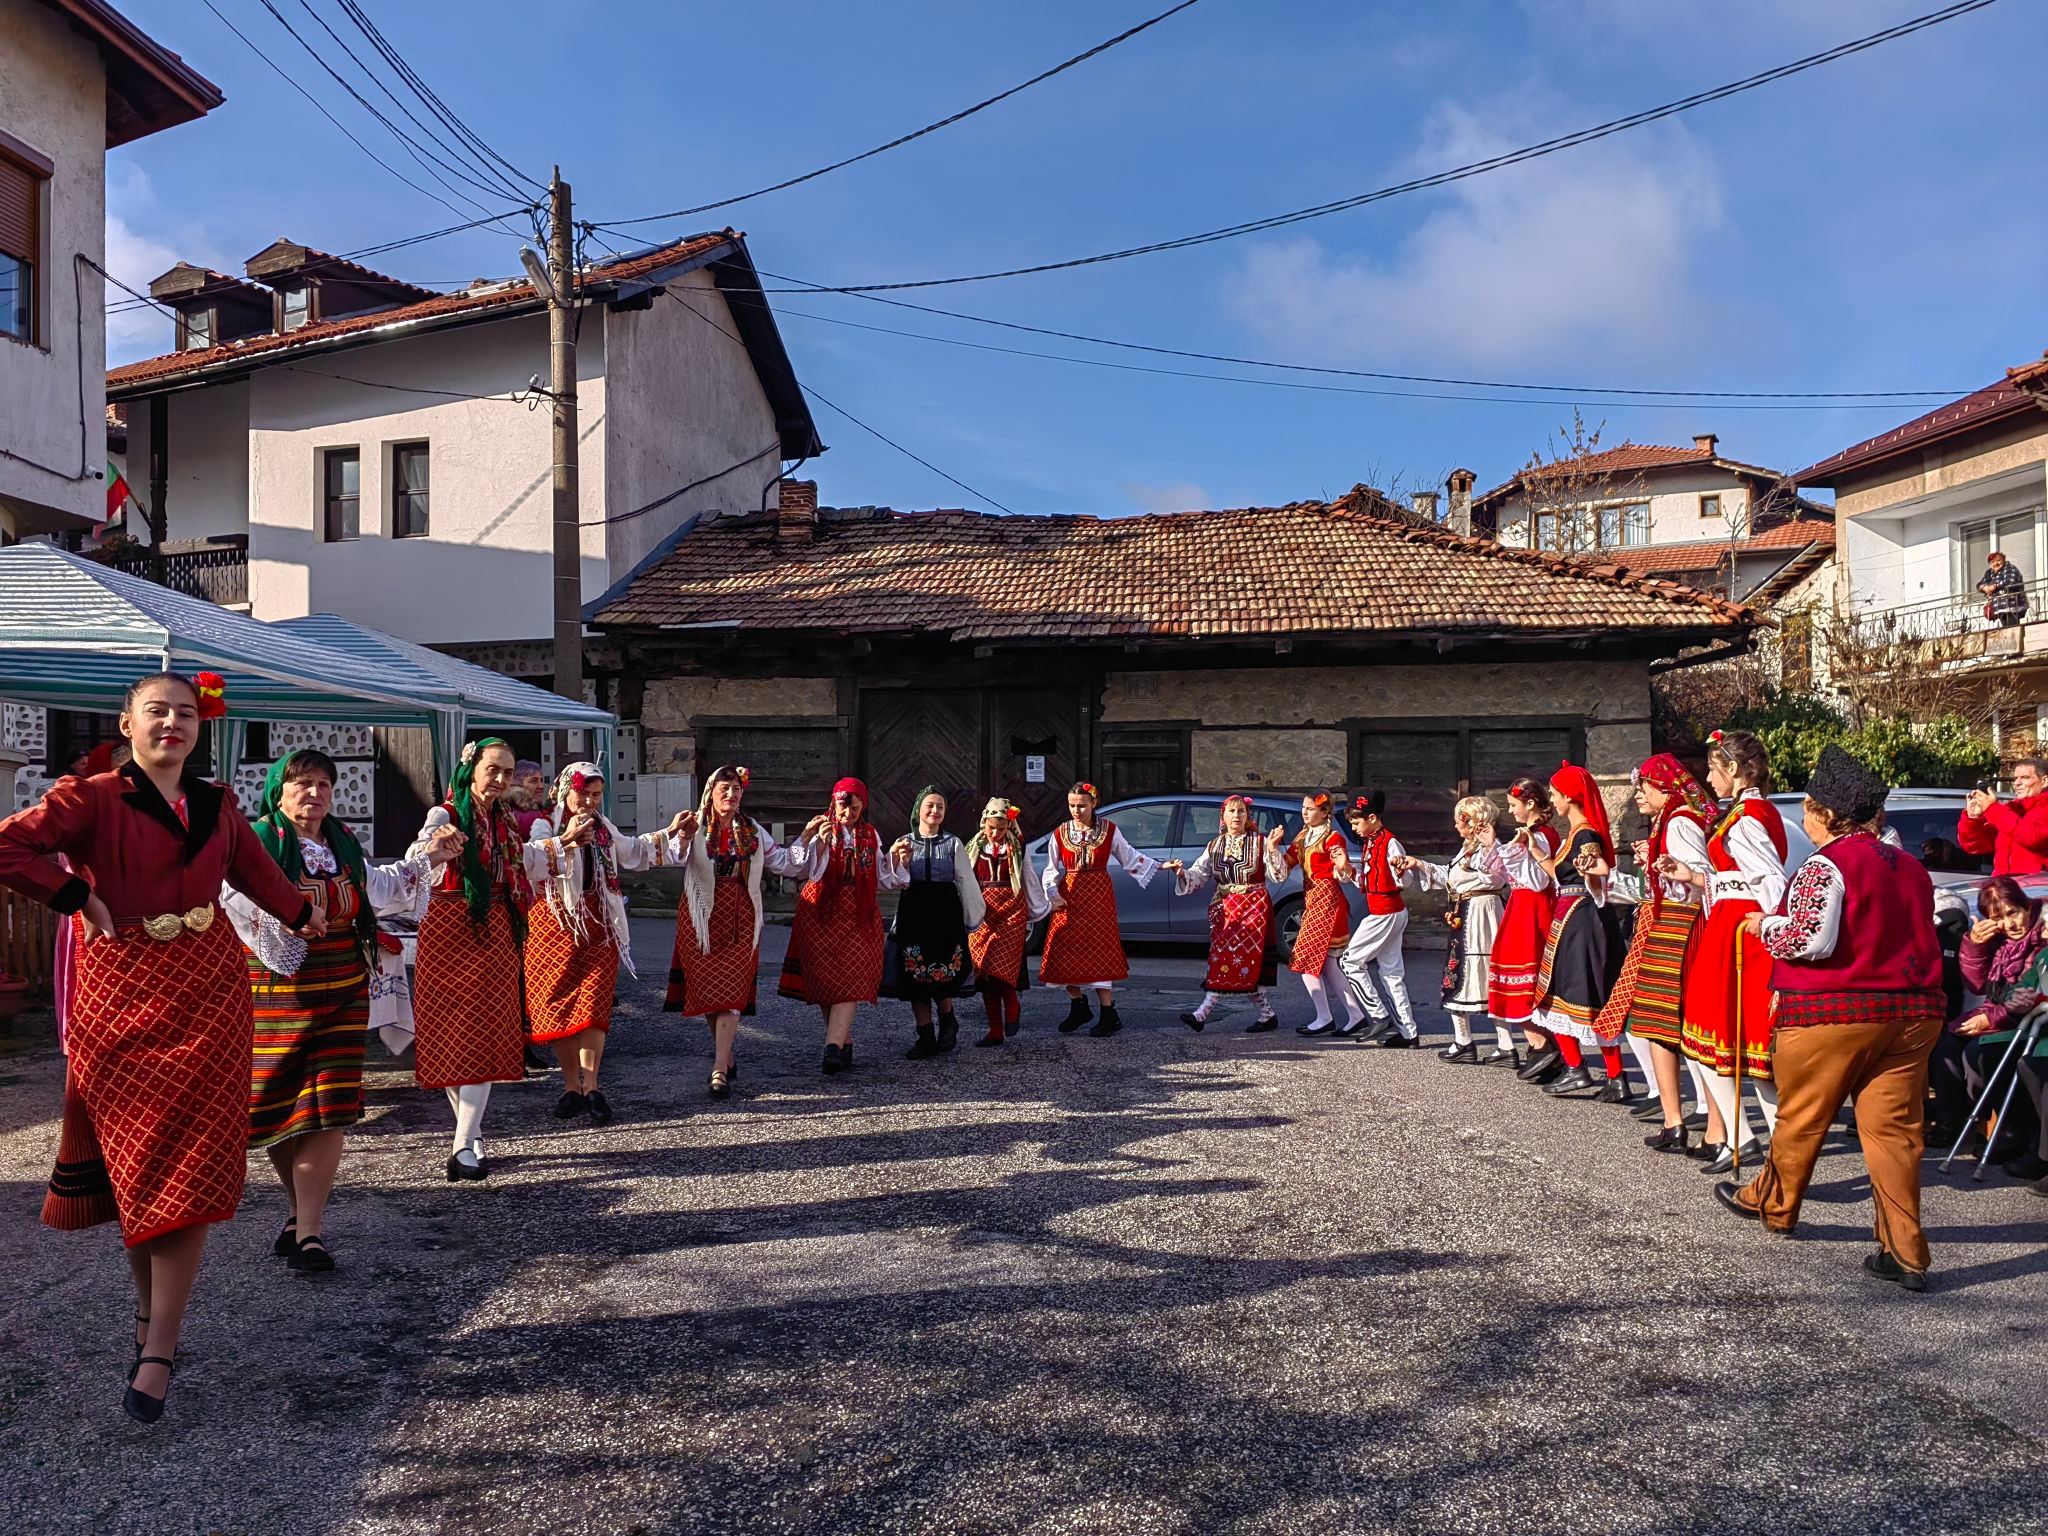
(600, 1108)
(927, 1046)
(1348, 1030)
(1537, 1067)
(458, 1171)
(1649, 1109)
(1885, 1267)
(1324, 1028)
(1262, 1026)
(1724, 1159)
(1397, 1042)
(1670, 1139)
(1725, 1193)
(837, 1059)
(570, 1105)
(1616, 1090)
(312, 1257)
(1455, 1052)
(1574, 1080)
(721, 1083)
(1696, 1121)
(1077, 1015)
(1706, 1151)
(141, 1407)
(1194, 1022)
(284, 1246)
(1108, 1024)
(1494, 1056)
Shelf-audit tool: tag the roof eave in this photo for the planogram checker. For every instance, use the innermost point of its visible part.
(191, 95)
(1829, 472)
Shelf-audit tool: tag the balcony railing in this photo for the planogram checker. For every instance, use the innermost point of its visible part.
(215, 569)
(1953, 626)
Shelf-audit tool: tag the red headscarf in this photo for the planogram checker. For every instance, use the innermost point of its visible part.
(1577, 786)
(864, 859)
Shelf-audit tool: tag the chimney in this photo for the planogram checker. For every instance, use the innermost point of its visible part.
(796, 513)
(1704, 442)
(1460, 482)
(1425, 505)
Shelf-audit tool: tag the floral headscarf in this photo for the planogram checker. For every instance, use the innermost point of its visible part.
(1004, 814)
(277, 833)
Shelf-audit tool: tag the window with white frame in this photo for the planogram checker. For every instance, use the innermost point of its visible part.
(2013, 535)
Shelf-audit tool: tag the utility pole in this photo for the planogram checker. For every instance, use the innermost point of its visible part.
(568, 513)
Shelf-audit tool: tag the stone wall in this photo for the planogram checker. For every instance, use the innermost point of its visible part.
(669, 705)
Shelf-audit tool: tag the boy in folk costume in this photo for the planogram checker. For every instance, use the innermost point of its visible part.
(717, 956)
(1318, 851)
(156, 1089)
(1083, 950)
(1522, 866)
(835, 939)
(1241, 957)
(1645, 1002)
(1376, 941)
(1474, 920)
(1011, 902)
(469, 1027)
(577, 933)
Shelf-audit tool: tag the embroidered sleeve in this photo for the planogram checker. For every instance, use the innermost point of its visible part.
(1194, 877)
(1756, 860)
(1468, 877)
(401, 889)
(1139, 867)
(649, 850)
(1426, 876)
(889, 875)
(1812, 920)
(281, 951)
(437, 818)
(792, 862)
(1521, 866)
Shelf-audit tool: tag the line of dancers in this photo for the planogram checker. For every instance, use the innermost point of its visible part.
(190, 1040)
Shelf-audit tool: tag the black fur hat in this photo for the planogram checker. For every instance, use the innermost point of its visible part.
(1846, 785)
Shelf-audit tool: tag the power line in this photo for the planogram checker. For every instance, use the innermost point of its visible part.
(1460, 173)
(434, 103)
(292, 81)
(897, 143)
(1354, 373)
(1686, 403)
(662, 501)
(499, 185)
(435, 234)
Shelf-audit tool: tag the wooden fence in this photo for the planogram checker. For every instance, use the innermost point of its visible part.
(28, 937)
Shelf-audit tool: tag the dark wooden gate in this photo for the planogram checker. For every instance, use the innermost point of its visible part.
(405, 785)
(1024, 723)
(971, 743)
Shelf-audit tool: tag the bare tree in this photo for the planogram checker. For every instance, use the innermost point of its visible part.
(1568, 500)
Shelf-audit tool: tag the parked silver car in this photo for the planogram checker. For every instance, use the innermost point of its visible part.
(1179, 827)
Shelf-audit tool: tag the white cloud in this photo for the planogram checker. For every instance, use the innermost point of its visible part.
(1179, 496)
(1587, 253)
(136, 257)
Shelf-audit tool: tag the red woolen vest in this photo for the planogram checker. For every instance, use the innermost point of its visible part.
(1887, 942)
(1382, 890)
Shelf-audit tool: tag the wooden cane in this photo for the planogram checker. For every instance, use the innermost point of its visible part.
(1735, 1120)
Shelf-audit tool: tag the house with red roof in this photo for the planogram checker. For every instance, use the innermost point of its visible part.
(77, 78)
(1921, 509)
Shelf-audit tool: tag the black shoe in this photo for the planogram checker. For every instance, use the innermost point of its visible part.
(1725, 1193)
(312, 1257)
(1541, 1066)
(2040, 1187)
(1885, 1267)
(1077, 1015)
(1575, 1080)
(1649, 1109)
(721, 1083)
(1670, 1139)
(570, 1105)
(949, 1032)
(1194, 1022)
(284, 1246)
(1724, 1159)
(1264, 1026)
(143, 1408)
(837, 1059)
(1494, 1056)
(1108, 1024)
(1454, 1052)
(927, 1046)
(600, 1109)
(1398, 1042)
(995, 1036)
(1706, 1151)
(1324, 1028)
(475, 1172)
(1616, 1090)
(2028, 1166)
(1347, 1031)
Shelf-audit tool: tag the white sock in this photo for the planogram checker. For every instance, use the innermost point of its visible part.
(1206, 1006)
(1700, 1078)
(1734, 1116)
(1767, 1101)
(1318, 997)
(1640, 1049)
(1503, 1037)
(1461, 1029)
(468, 1103)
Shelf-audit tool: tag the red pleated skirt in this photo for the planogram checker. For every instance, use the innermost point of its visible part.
(570, 987)
(725, 980)
(835, 948)
(1715, 998)
(1325, 920)
(997, 946)
(1082, 944)
(1518, 956)
(465, 1001)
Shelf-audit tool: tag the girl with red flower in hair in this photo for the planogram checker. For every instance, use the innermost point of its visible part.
(1011, 901)
(835, 939)
(156, 1092)
(1241, 958)
(1582, 953)
(1084, 952)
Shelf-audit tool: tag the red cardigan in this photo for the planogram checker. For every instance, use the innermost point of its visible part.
(130, 848)
(2013, 832)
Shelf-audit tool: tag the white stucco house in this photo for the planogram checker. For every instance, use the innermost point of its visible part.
(76, 79)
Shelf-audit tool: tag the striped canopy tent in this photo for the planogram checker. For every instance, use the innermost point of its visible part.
(489, 701)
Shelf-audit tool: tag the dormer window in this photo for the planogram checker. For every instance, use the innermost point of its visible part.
(296, 308)
(195, 327)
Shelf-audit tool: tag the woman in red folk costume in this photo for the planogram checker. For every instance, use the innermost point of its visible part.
(1728, 987)
(466, 1014)
(1582, 953)
(1011, 901)
(1318, 850)
(835, 939)
(1083, 950)
(156, 1093)
(1645, 1002)
(1241, 957)
(577, 934)
(1523, 865)
(717, 958)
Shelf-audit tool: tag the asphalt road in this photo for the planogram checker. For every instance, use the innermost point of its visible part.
(1160, 1283)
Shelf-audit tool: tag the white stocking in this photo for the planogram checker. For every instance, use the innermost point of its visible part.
(1639, 1048)
(1461, 1028)
(1700, 1078)
(1206, 1006)
(1734, 1116)
(1334, 980)
(1503, 1036)
(1318, 997)
(468, 1103)
(1767, 1101)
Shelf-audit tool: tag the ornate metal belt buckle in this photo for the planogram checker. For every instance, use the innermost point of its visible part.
(199, 919)
(164, 927)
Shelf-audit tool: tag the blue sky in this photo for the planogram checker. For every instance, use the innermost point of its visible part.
(1876, 224)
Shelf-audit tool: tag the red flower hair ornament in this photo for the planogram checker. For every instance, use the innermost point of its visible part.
(213, 695)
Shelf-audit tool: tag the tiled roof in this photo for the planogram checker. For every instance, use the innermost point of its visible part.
(2030, 376)
(1708, 554)
(1635, 458)
(1306, 569)
(442, 306)
(1994, 402)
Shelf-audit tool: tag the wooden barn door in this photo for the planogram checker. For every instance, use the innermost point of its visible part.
(910, 739)
(1025, 723)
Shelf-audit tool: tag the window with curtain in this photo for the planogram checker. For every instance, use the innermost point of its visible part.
(341, 494)
(409, 491)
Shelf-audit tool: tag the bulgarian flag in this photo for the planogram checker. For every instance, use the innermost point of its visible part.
(117, 502)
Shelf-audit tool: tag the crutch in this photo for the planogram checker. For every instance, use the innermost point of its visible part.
(2021, 1045)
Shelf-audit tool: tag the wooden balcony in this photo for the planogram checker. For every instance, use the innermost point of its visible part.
(215, 569)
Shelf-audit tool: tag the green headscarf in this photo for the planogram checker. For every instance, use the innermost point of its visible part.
(282, 839)
(476, 877)
(917, 809)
